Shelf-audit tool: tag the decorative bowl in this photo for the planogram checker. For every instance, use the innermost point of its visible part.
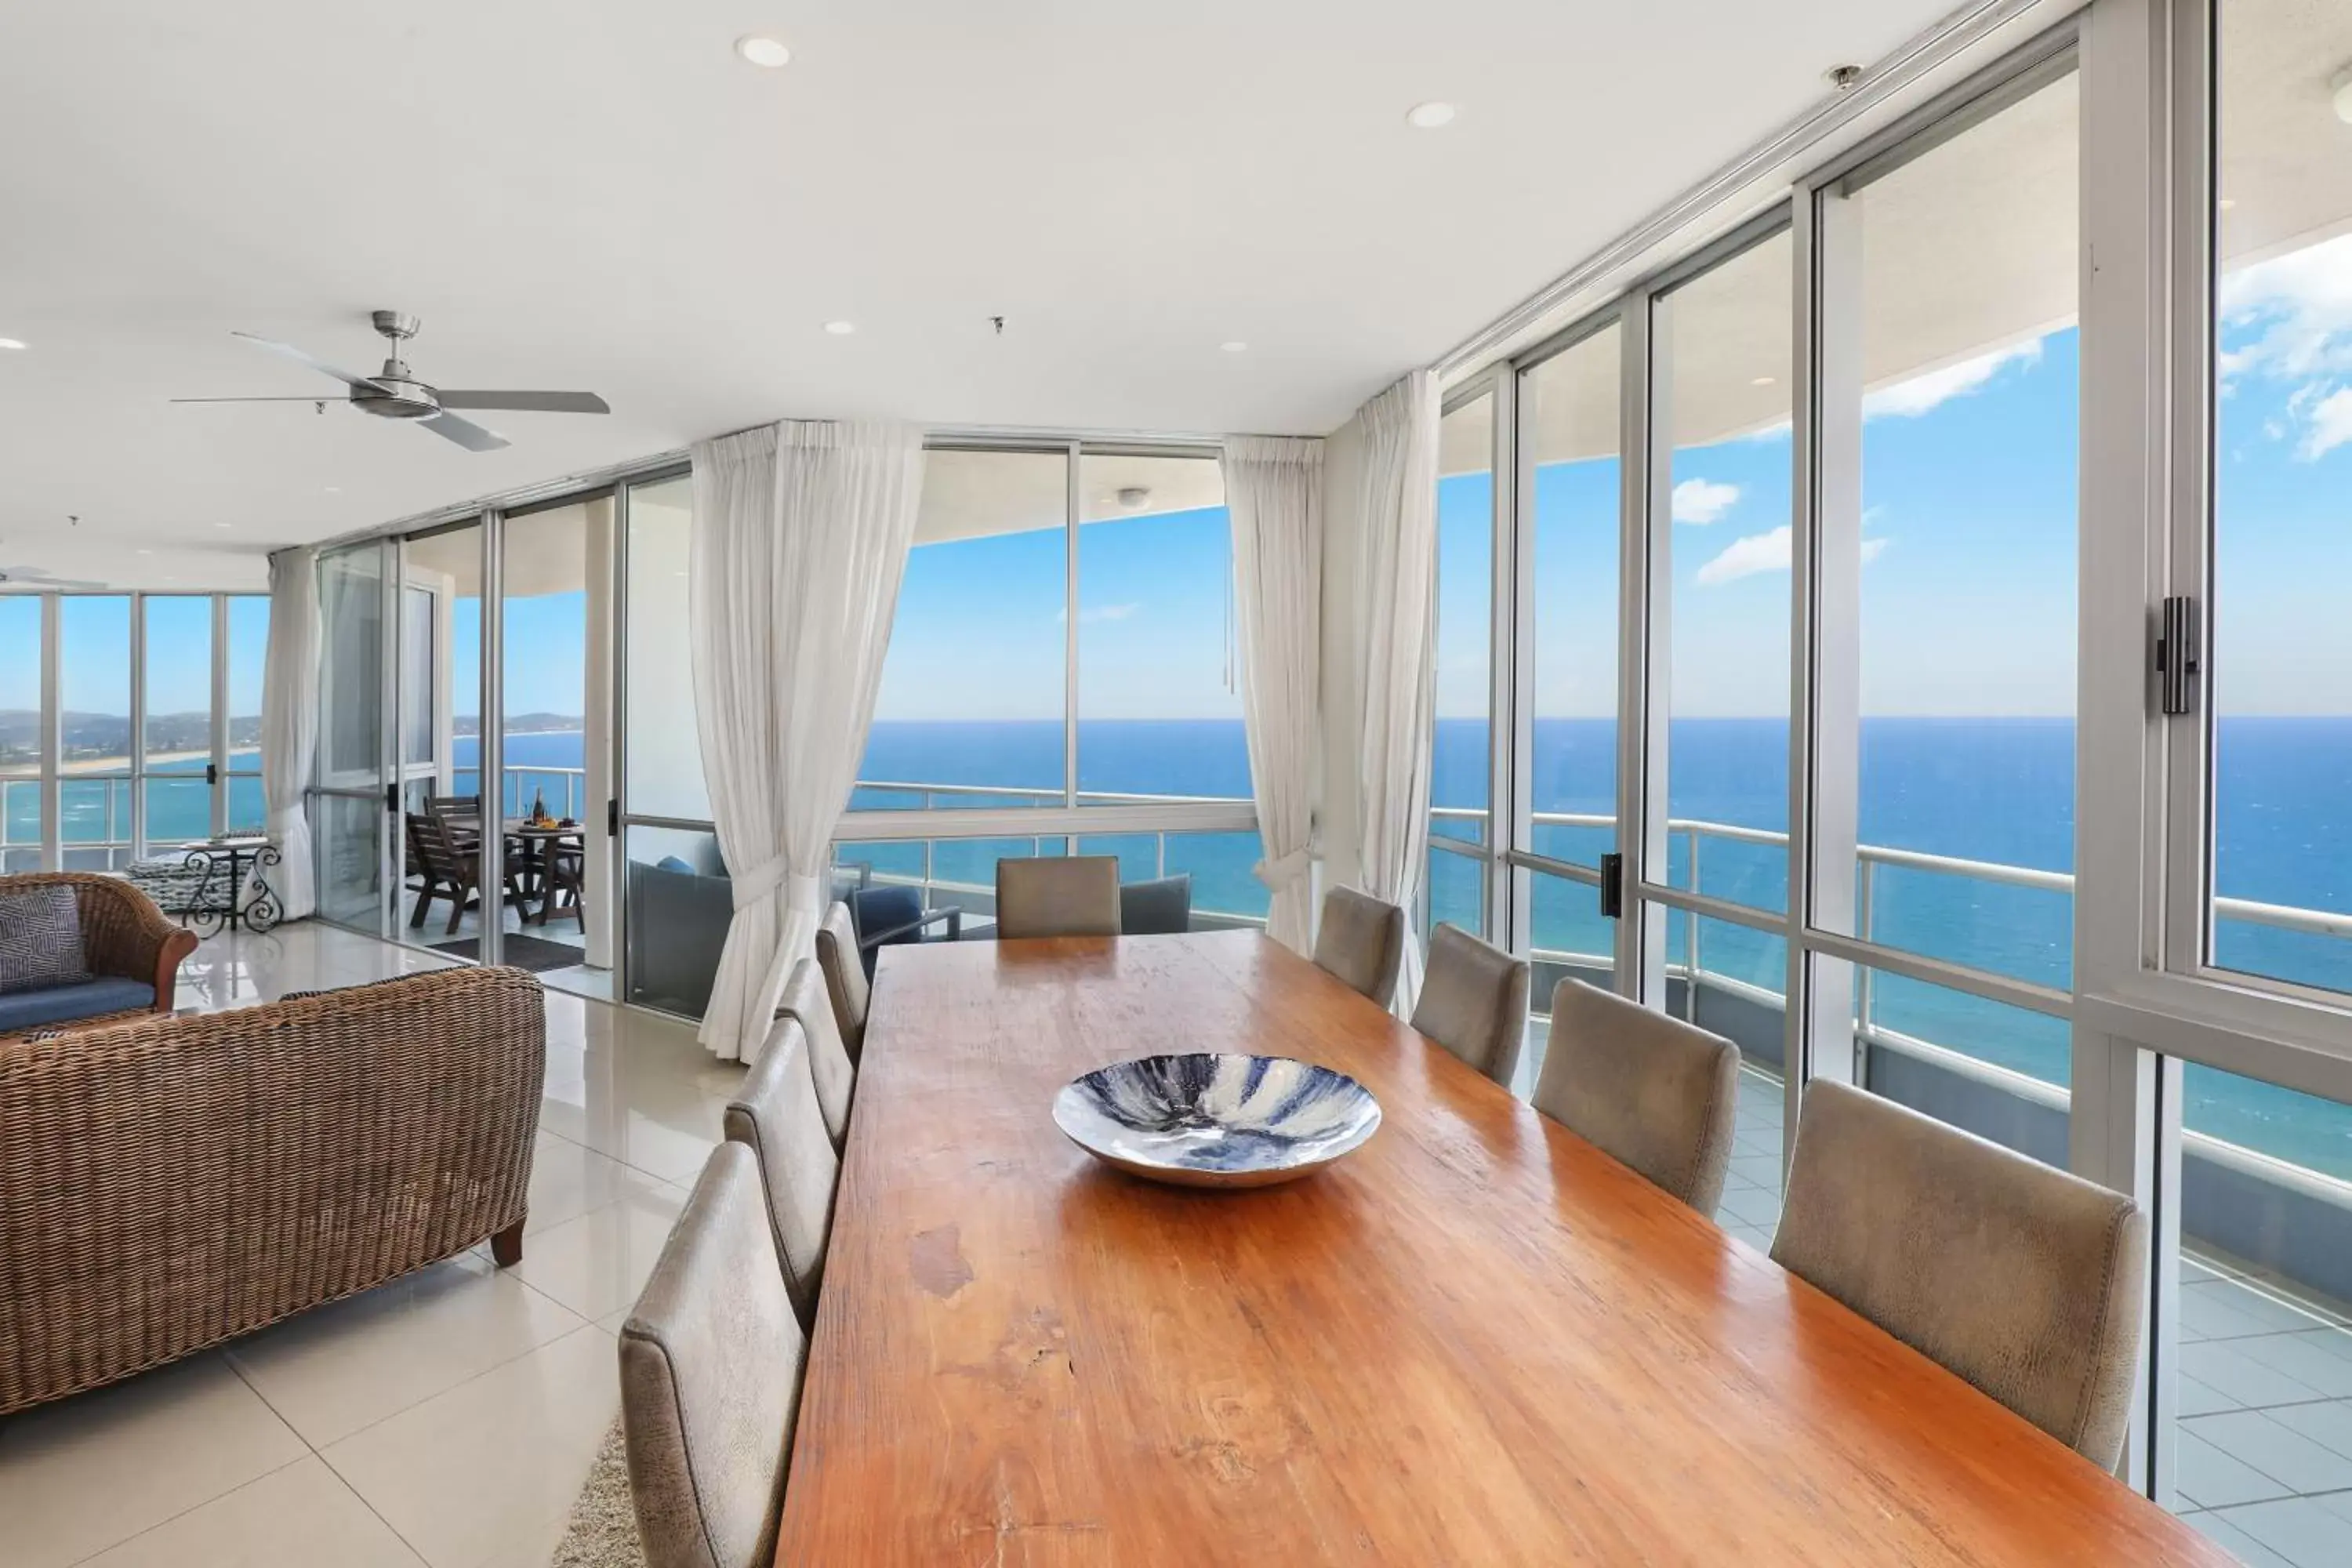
(1216, 1120)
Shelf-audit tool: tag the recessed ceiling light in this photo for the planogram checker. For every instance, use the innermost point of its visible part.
(1236, 346)
(12, 343)
(1763, 381)
(223, 525)
(334, 489)
(142, 552)
(1429, 116)
(841, 329)
(2339, 89)
(762, 51)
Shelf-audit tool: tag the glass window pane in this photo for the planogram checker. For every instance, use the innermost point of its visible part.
(94, 682)
(1722, 343)
(351, 684)
(664, 749)
(1159, 711)
(20, 683)
(1967, 426)
(973, 696)
(178, 717)
(1465, 617)
(248, 651)
(1993, 1070)
(2281, 675)
(179, 812)
(1224, 892)
(2263, 1383)
(1571, 403)
(1573, 940)
(681, 901)
(1456, 894)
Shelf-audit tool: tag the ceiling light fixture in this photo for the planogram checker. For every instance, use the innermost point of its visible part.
(1429, 116)
(2340, 94)
(1235, 347)
(766, 53)
(2227, 202)
(10, 342)
(841, 329)
(1764, 381)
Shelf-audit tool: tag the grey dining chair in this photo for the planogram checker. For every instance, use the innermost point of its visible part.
(711, 1361)
(1650, 1091)
(1473, 1001)
(1057, 895)
(1162, 907)
(1361, 940)
(806, 1003)
(2024, 1279)
(775, 1114)
(846, 985)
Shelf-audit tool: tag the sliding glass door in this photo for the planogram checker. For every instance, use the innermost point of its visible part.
(348, 815)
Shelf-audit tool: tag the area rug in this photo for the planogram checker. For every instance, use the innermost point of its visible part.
(535, 953)
(604, 1529)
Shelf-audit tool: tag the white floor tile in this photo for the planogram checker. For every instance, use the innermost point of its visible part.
(597, 1264)
(2327, 1423)
(300, 1517)
(488, 1470)
(2300, 1530)
(2250, 1553)
(338, 1368)
(1754, 1207)
(85, 1473)
(2212, 1477)
(568, 1179)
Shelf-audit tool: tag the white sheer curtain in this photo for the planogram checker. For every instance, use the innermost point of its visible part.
(799, 536)
(1398, 594)
(290, 723)
(1274, 493)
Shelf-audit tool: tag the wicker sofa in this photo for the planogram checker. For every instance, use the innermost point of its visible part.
(133, 951)
(172, 1183)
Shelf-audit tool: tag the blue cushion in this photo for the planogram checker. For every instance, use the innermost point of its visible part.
(63, 1003)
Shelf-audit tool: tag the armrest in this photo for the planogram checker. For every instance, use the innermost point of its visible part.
(951, 913)
(124, 933)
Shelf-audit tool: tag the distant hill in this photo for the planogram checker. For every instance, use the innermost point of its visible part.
(90, 736)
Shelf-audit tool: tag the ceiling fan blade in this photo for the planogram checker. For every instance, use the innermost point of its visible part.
(319, 397)
(527, 402)
(288, 351)
(465, 433)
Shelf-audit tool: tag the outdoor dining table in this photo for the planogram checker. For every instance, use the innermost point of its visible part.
(1476, 1340)
(539, 846)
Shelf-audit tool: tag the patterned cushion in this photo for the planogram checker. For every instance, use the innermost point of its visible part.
(40, 940)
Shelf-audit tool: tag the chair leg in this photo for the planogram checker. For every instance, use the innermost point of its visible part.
(506, 1245)
(423, 904)
(457, 907)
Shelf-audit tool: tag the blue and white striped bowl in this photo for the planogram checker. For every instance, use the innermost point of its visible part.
(1216, 1120)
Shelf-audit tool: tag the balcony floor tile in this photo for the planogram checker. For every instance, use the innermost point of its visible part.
(2327, 1423)
(2249, 1551)
(2302, 1530)
(2286, 1456)
(2225, 1366)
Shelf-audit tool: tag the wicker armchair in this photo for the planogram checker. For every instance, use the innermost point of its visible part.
(173, 1182)
(122, 933)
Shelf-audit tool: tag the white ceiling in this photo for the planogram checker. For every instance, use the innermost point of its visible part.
(598, 195)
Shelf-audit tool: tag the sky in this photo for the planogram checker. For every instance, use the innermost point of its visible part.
(94, 653)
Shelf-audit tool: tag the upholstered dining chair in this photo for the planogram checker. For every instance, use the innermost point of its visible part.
(805, 1002)
(1361, 940)
(845, 983)
(1162, 907)
(1650, 1091)
(2024, 1279)
(1057, 895)
(775, 1114)
(711, 1361)
(1473, 1001)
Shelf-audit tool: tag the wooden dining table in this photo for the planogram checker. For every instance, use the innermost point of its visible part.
(1476, 1340)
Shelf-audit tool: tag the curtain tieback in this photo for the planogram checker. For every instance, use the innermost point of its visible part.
(761, 882)
(1282, 870)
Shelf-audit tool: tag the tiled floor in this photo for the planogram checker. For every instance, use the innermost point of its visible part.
(447, 1418)
(2265, 1401)
(1750, 1208)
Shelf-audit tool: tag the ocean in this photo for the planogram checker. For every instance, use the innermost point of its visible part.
(1998, 790)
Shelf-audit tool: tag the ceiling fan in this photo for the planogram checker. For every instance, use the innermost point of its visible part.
(40, 577)
(395, 392)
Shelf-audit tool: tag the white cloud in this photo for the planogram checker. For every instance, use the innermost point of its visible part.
(1908, 399)
(1703, 500)
(1100, 613)
(2331, 425)
(2305, 297)
(1761, 553)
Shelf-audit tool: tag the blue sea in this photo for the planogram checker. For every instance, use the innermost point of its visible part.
(1998, 790)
